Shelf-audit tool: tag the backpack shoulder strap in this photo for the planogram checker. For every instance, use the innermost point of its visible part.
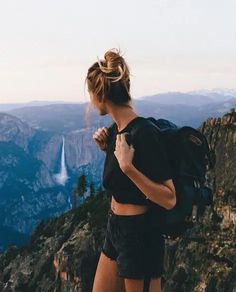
(142, 123)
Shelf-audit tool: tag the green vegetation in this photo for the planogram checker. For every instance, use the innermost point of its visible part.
(94, 210)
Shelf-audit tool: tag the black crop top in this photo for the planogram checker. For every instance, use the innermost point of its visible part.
(149, 157)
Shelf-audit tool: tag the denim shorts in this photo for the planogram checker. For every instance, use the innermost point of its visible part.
(135, 244)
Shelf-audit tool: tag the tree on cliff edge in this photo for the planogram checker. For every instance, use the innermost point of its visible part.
(81, 186)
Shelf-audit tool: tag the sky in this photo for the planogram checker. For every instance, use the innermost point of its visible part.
(47, 46)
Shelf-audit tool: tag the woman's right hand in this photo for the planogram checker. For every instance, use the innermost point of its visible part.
(100, 137)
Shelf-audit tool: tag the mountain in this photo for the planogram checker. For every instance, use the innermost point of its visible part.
(38, 173)
(179, 98)
(63, 251)
(27, 187)
(184, 115)
(179, 108)
(14, 129)
(216, 94)
(193, 98)
(59, 118)
(196, 97)
(9, 106)
(62, 117)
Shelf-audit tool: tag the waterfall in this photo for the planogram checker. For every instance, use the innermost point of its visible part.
(62, 176)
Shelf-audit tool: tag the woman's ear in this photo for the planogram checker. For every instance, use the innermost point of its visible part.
(103, 99)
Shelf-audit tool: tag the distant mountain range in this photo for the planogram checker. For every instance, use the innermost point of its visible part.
(216, 92)
(10, 106)
(178, 107)
(194, 98)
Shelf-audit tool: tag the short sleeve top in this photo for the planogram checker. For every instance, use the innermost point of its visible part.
(149, 158)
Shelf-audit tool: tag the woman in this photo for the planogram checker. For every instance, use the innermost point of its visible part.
(135, 173)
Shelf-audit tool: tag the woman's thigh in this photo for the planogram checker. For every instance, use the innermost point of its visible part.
(155, 285)
(132, 285)
(106, 277)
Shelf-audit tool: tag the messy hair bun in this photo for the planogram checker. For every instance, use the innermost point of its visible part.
(109, 78)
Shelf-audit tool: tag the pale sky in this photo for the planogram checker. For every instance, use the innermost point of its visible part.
(47, 46)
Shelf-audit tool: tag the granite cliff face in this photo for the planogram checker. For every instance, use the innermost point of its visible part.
(80, 152)
(63, 252)
(13, 129)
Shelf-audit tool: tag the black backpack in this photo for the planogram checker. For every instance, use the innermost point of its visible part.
(190, 157)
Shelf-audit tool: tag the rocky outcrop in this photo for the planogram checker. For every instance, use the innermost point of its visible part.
(205, 258)
(62, 253)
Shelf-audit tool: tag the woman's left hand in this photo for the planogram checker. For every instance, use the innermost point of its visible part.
(123, 152)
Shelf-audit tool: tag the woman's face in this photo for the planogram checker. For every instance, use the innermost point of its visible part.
(100, 106)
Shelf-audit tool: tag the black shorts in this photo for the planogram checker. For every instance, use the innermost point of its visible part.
(135, 244)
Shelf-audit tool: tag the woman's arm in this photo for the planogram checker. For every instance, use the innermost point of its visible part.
(148, 166)
(160, 193)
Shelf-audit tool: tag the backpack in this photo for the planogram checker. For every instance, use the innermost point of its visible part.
(190, 157)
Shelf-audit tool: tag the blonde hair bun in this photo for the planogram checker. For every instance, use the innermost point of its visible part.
(109, 78)
(114, 65)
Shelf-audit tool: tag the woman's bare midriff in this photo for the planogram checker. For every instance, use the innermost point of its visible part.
(127, 209)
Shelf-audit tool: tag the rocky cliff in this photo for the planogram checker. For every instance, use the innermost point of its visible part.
(205, 259)
(63, 252)
(13, 129)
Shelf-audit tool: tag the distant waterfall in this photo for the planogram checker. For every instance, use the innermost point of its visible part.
(62, 176)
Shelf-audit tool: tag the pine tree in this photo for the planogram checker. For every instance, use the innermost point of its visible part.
(92, 190)
(73, 198)
(81, 186)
